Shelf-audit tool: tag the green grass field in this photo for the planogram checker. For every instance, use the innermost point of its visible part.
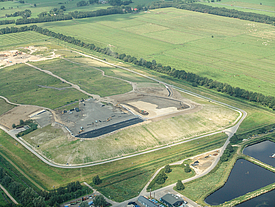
(24, 38)
(47, 5)
(88, 78)
(114, 174)
(254, 6)
(19, 84)
(240, 52)
(177, 173)
(4, 106)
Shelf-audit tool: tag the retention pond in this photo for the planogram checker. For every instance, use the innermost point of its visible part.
(245, 177)
(262, 151)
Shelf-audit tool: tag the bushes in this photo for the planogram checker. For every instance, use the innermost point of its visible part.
(227, 153)
(179, 185)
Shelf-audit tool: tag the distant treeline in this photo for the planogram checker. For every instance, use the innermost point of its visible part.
(220, 11)
(194, 79)
(7, 22)
(228, 13)
(188, 5)
(71, 15)
(5, 0)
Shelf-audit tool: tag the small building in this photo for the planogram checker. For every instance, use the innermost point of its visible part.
(146, 202)
(172, 200)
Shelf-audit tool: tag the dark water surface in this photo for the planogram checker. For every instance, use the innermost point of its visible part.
(262, 151)
(264, 200)
(244, 177)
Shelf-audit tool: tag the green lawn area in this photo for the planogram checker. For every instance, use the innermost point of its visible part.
(23, 38)
(88, 78)
(240, 52)
(19, 84)
(4, 106)
(177, 173)
(115, 175)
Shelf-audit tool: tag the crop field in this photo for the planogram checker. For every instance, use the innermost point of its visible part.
(47, 5)
(230, 50)
(23, 38)
(20, 84)
(88, 78)
(254, 6)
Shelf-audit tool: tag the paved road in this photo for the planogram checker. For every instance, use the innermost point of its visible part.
(9, 195)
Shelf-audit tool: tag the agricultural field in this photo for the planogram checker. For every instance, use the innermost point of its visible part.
(230, 50)
(47, 5)
(24, 38)
(266, 7)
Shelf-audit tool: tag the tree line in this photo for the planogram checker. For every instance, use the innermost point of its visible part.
(194, 79)
(250, 16)
(76, 14)
(187, 5)
(27, 196)
(26, 13)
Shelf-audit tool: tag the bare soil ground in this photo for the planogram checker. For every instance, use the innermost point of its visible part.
(155, 101)
(205, 161)
(12, 57)
(14, 115)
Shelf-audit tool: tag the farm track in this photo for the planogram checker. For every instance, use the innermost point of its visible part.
(9, 195)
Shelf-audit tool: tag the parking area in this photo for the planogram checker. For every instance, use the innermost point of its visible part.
(92, 115)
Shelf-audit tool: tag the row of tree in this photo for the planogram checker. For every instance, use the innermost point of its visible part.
(3, 22)
(26, 13)
(27, 196)
(227, 153)
(86, 3)
(119, 2)
(194, 79)
(221, 11)
(48, 17)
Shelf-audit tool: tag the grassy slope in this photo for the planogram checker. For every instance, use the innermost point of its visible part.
(114, 175)
(19, 84)
(4, 106)
(89, 79)
(55, 145)
(239, 52)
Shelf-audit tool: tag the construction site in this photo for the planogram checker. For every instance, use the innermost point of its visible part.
(12, 57)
